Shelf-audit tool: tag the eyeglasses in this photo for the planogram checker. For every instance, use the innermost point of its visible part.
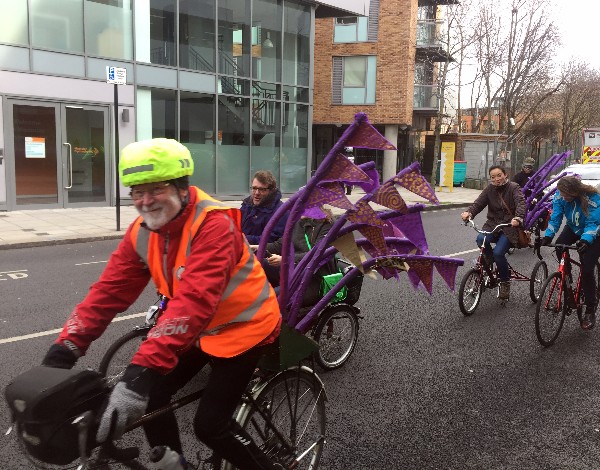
(157, 190)
(256, 189)
(527, 167)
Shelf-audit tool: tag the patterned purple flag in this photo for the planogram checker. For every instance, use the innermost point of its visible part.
(329, 193)
(414, 279)
(343, 170)
(447, 270)
(375, 236)
(424, 269)
(416, 183)
(411, 226)
(387, 195)
(367, 137)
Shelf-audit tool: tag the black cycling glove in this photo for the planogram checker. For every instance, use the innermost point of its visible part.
(546, 241)
(61, 357)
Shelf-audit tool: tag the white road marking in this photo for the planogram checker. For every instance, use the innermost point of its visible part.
(91, 262)
(14, 271)
(460, 253)
(14, 339)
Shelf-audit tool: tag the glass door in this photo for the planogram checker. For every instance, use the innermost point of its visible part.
(85, 168)
(58, 155)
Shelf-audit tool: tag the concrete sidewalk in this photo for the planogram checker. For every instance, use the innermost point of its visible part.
(20, 229)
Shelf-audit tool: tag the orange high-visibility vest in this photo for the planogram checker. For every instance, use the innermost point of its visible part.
(248, 311)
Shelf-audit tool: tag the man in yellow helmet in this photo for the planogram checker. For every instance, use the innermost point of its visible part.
(221, 309)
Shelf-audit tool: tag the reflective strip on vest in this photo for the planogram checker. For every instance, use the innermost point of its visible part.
(240, 321)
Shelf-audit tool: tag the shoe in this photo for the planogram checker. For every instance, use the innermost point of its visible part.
(504, 290)
(589, 317)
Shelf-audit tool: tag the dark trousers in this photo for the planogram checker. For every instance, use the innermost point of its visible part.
(498, 251)
(213, 423)
(588, 261)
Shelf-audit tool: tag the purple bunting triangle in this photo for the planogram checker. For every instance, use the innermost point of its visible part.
(364, 214)
(375, 237)
(343, 170)
(416, 183)
(374, 184)
(414, 279)
(329, 193)
(367, 137)
(387, 195)
(424, 269)
(447, 270)
(411, 225)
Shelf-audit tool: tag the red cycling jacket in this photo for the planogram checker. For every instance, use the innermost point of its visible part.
(215, 251)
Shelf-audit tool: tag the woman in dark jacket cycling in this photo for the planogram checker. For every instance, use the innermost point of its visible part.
(506, 204)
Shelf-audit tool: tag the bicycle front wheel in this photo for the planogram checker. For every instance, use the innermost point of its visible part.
(469, 293)
(293, 404)
(337, 334)
(550, 314)
(119, 355)
(536, 281)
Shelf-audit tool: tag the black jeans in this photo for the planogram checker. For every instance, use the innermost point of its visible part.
(588, 262)
(213, 423)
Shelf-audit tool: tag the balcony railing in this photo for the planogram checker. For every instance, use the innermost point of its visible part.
(426, 97)
(428, 33)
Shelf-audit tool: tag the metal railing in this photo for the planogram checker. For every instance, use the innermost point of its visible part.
(426, 97)
(428, 33)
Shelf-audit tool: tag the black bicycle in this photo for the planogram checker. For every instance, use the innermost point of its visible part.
(283, 410)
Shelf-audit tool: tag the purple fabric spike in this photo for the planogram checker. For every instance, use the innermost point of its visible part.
(329, 193)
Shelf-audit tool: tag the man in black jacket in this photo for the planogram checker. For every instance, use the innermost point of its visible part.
(523, 176)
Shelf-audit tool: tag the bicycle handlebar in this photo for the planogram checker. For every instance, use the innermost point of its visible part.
(472, 223)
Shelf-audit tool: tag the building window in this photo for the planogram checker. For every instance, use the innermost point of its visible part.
(296, 44)
(108, 28)
(266, 40)
(155, 32)
(197, 35)
(57, 24)
(156, 113)
(354, 80)
(13, 22)
(350, 29)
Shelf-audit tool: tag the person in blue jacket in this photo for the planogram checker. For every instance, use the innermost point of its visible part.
(258, 208)
(580, 204)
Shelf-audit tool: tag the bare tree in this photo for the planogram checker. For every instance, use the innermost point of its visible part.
(514, 50)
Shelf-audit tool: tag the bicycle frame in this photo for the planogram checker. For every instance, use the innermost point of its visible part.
(493, 273)
(565, 270)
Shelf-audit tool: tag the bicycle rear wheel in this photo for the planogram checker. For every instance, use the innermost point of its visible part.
(293, 402)
(536, 281)
(469, 292)
(336, 333)
(119, 355)
(550, 314)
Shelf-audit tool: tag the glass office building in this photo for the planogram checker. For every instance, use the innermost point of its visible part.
(230, 79)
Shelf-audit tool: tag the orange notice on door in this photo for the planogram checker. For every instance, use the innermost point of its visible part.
(35, 147)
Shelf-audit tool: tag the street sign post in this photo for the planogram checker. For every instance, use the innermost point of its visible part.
(117, 76)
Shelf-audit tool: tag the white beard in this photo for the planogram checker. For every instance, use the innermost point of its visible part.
(159, 214)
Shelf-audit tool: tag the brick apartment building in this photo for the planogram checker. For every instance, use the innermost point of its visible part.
(385, 66)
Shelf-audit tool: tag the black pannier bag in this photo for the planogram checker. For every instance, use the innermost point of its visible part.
(45, 400)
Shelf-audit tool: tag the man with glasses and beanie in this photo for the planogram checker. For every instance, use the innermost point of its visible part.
(221, 310)
(526, 172)
(258, 208)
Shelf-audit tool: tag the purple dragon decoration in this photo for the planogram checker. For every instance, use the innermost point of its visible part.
(537, 203)
(394, 239)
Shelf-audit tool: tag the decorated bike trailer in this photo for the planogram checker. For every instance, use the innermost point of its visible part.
(392, 240)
